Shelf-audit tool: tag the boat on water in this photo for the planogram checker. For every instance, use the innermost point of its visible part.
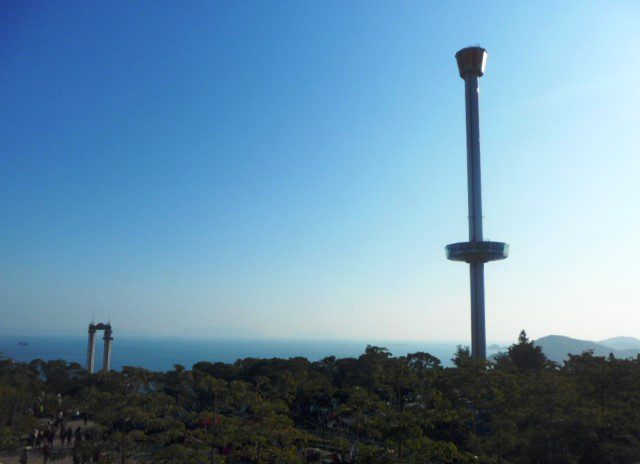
(23, 343)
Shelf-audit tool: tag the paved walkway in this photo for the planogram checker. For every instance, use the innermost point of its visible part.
(13, 457)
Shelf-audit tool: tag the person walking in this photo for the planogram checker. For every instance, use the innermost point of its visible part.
(24, 456)
(46, 453)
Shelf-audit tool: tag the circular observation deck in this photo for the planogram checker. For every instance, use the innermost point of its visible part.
(477, 252)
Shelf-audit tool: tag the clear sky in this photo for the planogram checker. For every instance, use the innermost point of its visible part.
(296, 168)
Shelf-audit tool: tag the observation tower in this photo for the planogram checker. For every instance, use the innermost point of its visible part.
(477, 251)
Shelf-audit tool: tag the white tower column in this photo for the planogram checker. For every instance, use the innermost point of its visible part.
(106, 356)
(91, 349)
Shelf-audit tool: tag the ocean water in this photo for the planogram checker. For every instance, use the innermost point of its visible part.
(161, 353)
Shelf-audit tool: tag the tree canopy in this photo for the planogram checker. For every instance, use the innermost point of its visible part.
(377, 408)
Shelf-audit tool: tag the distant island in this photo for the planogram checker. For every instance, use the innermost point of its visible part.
(496, 347)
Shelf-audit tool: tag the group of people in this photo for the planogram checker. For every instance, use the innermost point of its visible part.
(43, 439)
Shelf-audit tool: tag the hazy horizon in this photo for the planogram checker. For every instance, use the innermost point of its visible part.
(238, 334)
(289, 168)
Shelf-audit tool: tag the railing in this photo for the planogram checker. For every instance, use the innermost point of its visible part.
(477, 251)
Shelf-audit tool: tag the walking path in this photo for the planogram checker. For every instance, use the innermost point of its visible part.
(13, 457)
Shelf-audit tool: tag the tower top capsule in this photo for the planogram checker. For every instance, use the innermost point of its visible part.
(471, 60)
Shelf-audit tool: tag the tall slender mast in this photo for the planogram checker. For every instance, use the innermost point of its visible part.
(476, 252)
(106, 355)
(91, 348)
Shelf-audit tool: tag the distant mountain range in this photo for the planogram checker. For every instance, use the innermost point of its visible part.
(557, 347)
(622, 343)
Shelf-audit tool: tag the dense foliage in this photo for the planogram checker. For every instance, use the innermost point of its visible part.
(518, 408)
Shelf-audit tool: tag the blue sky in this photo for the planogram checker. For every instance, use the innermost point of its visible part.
(296, 168)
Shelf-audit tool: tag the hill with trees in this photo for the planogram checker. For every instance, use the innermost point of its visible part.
(557, 347)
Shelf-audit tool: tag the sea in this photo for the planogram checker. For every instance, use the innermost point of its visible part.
(162, 353)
